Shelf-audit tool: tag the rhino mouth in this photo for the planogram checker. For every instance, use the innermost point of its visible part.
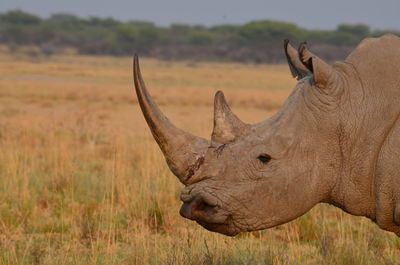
(223, 228)
(205, 211)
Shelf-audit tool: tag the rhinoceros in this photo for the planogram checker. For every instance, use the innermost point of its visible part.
(336, 140)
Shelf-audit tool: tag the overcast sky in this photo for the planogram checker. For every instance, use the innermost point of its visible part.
(312, 14)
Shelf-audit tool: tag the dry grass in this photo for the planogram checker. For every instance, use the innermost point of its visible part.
(82, 181)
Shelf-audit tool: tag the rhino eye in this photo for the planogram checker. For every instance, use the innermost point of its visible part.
(264, 158)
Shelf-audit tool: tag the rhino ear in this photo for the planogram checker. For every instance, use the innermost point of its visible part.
(227, 126)
(321, 70)
(297, 68)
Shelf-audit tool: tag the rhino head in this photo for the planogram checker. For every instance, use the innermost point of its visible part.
(252, 177)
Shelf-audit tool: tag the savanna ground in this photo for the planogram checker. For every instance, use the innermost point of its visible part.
(83, 182)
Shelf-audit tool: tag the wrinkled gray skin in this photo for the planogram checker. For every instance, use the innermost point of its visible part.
(335, 140)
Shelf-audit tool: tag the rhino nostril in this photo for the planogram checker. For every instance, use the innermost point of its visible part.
(195, 208)
(203, 206)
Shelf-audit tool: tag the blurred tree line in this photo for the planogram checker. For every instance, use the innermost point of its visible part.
(258, 41)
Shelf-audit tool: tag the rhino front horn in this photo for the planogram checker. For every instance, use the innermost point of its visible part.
(181, 149)
(227, 126)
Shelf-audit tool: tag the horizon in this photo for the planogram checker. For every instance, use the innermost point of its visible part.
(324, 16)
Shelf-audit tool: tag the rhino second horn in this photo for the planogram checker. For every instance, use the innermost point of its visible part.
(227, 126)
(181, 149)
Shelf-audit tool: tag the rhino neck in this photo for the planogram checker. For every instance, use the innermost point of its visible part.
(370, 112)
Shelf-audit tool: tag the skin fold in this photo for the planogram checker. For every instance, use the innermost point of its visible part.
(336, 140)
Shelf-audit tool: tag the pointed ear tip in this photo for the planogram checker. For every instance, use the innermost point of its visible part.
(303, 44)
(286, 44)
(302, 49)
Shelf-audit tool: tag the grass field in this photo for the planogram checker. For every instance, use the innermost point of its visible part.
(83, 182)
